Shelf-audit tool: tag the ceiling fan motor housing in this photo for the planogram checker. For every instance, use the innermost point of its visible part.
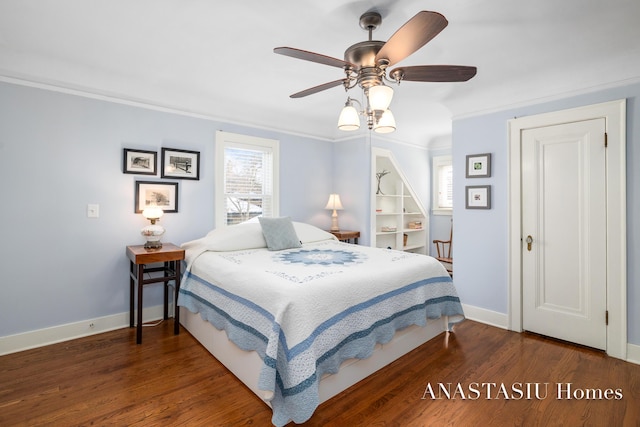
(363, 56)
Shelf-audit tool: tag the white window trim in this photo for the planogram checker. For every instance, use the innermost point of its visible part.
(438, 161)
(227, 139)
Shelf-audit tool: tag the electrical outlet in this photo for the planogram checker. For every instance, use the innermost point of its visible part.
(93, 211)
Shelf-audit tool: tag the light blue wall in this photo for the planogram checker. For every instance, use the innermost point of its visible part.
(351, 172)
(59, 152)
(481, 236)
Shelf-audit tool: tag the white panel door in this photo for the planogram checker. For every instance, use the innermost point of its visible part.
(564, 232)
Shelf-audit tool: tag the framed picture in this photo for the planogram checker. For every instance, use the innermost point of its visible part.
(152, 193)
(478, 197)
(180, 164)
(140, 162)
(479, 165)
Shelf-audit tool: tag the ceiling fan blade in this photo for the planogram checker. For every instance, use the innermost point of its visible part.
(318, 88)
(414, 34)
(313, 57)
(434, 73)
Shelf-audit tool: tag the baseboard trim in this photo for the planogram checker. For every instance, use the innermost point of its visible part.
(70, 331)
(633, 353)
(55, 334)
(482, 315)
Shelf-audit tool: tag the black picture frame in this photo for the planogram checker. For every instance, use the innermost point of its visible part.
(478, 165)
(180, 164)
(139, 162)
(478, 197)
(156, 193)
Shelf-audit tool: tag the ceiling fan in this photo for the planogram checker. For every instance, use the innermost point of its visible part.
(365, 64)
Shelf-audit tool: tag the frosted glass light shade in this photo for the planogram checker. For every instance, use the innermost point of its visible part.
(380, 97)
(152, 212)
(349, 119)
(386, 123)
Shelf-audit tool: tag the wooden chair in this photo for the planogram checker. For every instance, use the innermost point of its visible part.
(443, 248)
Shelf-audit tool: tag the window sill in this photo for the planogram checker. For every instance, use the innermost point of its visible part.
(442, 212)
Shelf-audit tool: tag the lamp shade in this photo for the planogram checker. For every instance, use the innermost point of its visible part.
(349, 119)
(386, 123)
(380, 97)
(334, 202)
(152, 212)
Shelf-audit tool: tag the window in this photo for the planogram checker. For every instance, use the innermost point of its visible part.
(442, 185)
(246, 178)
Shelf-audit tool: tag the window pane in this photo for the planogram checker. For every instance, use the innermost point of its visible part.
(240, 209)
(246, 178)
(248, 184)
(442, 189)
(445, 190)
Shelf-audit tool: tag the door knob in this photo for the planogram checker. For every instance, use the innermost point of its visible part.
(529, 242)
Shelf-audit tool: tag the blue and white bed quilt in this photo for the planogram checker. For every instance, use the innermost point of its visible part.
(308, 309)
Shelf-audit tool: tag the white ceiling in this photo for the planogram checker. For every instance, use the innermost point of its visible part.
(216, 58)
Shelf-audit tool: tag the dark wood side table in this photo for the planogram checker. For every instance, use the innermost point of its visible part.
(346, 235)
(139, 258)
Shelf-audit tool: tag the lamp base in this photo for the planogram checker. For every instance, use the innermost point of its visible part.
(153, 245)
(334, 221)
(152, 233)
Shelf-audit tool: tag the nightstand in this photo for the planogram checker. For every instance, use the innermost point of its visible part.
(346, 235)
(140, 258)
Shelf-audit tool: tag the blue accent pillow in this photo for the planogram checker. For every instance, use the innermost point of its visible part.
(279, 233)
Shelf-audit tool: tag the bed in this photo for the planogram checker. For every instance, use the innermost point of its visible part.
(298, 316)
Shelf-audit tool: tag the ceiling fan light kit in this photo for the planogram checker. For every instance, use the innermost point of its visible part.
(386, 123)
(379, 118)
(380, 97)
(349, 117)
(365, 64)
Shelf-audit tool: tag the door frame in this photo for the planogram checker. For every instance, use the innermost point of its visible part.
(614, 113)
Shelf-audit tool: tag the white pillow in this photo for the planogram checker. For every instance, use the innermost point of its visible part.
(235, 238)
(248, 235)
(308, 233)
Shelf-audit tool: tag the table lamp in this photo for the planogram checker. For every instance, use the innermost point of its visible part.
(335, 204)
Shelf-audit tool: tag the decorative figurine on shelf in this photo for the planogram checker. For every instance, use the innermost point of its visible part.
(379, 176)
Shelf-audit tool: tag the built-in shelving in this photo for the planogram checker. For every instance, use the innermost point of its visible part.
(398, 219)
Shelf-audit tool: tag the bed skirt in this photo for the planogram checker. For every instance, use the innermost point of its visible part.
(246, 365)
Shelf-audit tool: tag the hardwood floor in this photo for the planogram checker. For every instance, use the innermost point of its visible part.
(107, 379)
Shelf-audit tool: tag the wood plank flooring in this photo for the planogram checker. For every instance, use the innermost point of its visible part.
(171, 380)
